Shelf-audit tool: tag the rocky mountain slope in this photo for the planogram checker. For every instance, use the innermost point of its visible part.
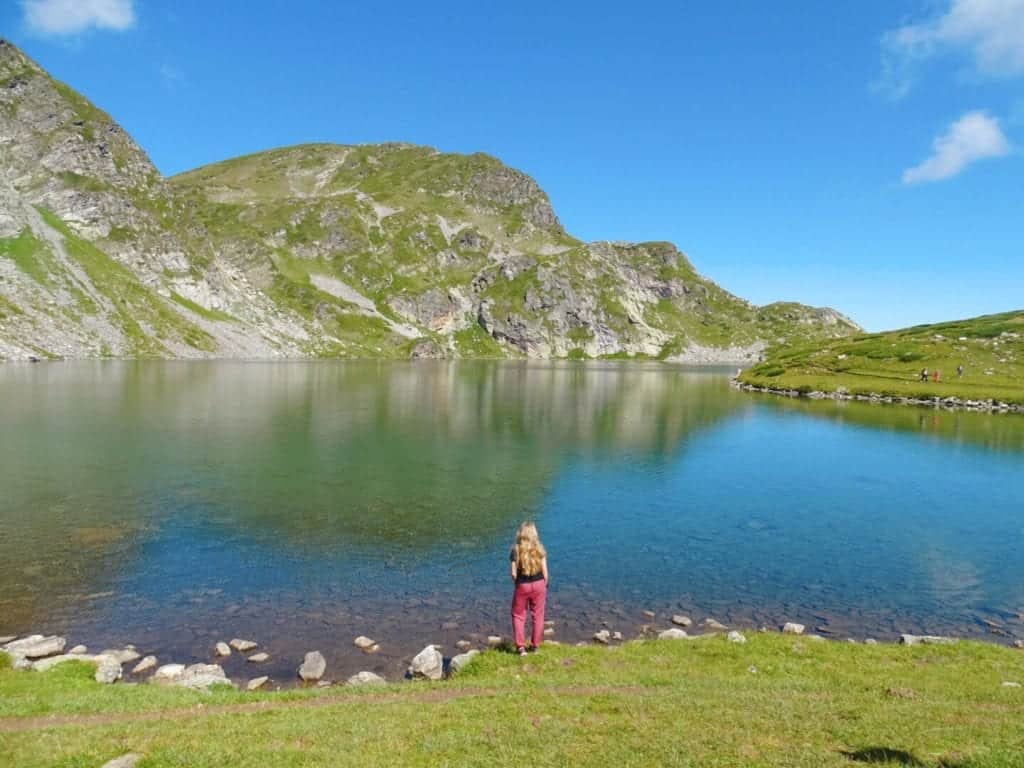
(322, 250)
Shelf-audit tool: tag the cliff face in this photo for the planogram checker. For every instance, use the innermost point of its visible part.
(384, 250)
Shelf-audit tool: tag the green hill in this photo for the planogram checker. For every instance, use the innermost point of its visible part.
(385, 250)
(990, 349)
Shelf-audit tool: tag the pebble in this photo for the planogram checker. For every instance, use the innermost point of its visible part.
(145, 665)
(736, 637)
(363, 642)
(792, 628)
(256, 683)
(242, 645)
(258, 658)
(682, 620)
(222, 649)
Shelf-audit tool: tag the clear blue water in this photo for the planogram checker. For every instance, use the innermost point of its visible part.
(175, 504)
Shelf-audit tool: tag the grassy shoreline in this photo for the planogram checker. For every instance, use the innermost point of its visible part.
(775, 700)
(990, 350)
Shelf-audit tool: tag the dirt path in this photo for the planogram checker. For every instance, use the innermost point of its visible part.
(431, 696)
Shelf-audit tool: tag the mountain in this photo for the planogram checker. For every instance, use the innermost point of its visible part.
(385, 250)
(990, 350)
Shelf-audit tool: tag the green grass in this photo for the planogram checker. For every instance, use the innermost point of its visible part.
(29, 254)
(991, 349)
(651, 703)
(209, 314)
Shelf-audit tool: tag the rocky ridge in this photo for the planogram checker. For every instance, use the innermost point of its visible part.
(389, 250)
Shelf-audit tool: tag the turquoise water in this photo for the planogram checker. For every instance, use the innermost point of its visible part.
(174, 504)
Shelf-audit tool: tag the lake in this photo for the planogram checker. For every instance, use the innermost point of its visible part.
(300, 504)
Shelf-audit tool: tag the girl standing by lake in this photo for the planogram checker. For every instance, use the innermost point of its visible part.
(530, 576)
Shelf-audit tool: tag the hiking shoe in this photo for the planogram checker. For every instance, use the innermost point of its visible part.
(532, 649)
(521, 651)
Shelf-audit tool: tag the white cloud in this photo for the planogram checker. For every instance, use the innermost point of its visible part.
(69, 17)
(990, 32)
(975, 136)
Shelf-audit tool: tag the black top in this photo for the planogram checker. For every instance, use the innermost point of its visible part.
(522, 578)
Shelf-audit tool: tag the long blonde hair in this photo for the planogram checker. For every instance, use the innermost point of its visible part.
(528, 553)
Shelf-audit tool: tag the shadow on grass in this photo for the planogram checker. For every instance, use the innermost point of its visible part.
(882, 756)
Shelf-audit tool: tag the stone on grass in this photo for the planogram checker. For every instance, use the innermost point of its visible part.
(366, 678)
(815, 638)
(603, 636)
(363, 642)
(792, 628)
(1010, 684)
(871, 641)
(222, 649)
(108, 669)
(463, 645)
(258, 658)
(1018, 643)
(681, 620)
(256, 683)
(736, 637)
(49, 663)
(313, 666)
(167, 674)
(926, 640)
(145, 665)
(242, 645)
(36, 646)
(458, 663)
(124, 761)
(673, 634)
(428, 664)
(202, 677)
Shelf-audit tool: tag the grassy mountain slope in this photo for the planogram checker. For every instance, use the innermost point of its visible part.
(990, 348)
(324, 250)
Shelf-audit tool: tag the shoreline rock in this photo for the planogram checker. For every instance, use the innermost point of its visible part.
(313, 667)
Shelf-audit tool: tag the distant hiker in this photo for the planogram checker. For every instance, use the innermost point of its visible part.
(924, 374)
(530, 576)
(935, 376)
(960, 371)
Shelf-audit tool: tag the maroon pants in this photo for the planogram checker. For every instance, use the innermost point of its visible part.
(532, 595)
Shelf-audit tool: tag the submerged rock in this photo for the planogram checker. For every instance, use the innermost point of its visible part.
(366, 678)
(427, 664)
(313, 667)
(243, 645)
(258, 658)
(363, 642)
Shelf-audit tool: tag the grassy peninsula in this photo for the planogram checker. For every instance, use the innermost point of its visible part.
(775, 700)
(990, 349)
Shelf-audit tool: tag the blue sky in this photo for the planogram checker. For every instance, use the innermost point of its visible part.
(865, 156)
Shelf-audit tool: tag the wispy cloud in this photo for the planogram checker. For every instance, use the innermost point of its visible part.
(171, 76)
(989, 32)
(975, 136)
(57, 18)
